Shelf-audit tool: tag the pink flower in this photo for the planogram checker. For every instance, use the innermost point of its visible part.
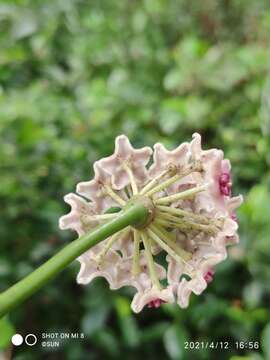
(194, 220)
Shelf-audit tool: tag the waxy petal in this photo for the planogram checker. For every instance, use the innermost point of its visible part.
(136, 159)
(163, 158)
(74, 220)
(140, 300)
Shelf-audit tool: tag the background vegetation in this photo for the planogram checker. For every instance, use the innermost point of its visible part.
(73, 75)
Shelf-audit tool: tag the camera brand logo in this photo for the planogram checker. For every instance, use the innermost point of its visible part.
(30, 339)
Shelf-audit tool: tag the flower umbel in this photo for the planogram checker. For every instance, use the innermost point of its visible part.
(193, 220)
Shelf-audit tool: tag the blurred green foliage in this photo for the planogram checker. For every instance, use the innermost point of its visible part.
(73, 75)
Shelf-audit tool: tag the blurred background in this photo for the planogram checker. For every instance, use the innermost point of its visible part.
(73, 75)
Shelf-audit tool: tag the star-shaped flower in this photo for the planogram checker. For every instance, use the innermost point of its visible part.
(127, 165)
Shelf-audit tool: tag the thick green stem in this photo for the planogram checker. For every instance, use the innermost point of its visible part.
(131, 215)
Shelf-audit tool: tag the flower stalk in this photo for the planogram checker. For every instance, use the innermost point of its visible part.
(153, 235)
(114, 196)
(171, 180)
(182, 195)
(150, 261)
(136, 257)
(135, 213)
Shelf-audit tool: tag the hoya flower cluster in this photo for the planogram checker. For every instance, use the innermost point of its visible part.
(193, 220)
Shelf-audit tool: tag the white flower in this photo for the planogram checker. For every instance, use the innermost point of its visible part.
(92, 268)
(194, 220)
(99, 191)
(153, 297)
(124, 161)
(162, 157)
(81, 218)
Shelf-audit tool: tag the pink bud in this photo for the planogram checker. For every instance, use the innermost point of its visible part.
(234, 217)
(156, 303)
(225, 184)
(208, 277)
(224, 178)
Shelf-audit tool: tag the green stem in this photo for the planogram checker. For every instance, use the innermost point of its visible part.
(133, 214)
